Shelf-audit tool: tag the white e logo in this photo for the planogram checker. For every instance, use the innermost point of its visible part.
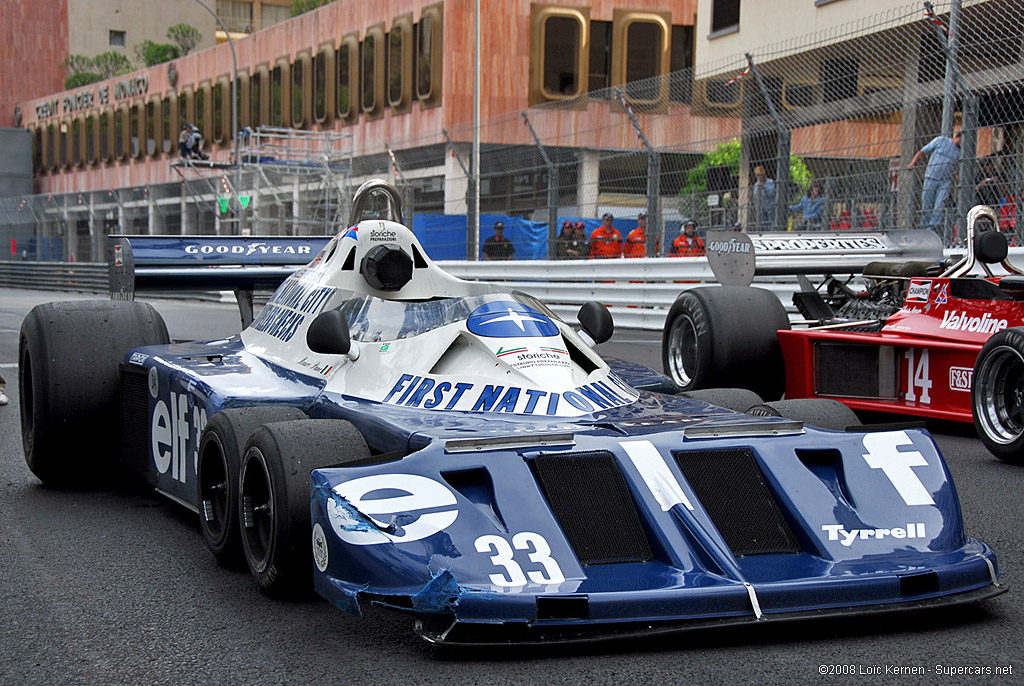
(421, 494)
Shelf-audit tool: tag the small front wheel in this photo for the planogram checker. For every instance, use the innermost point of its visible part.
(997, 395)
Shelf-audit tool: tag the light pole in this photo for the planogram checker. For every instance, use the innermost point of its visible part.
(234, 99)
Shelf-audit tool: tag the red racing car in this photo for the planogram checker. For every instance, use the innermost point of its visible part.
(937, 340)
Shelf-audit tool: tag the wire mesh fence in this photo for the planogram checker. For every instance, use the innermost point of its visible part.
(851, 128)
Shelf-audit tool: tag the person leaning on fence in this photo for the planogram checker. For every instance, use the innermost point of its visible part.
(688, 243)
(943, 154)
(606, 241)
(636, 241)
(811, 207)
(569, 245)
(497, 247)
(764, 199)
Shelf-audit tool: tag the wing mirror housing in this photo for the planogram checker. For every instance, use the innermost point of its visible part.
(328, 334)
(596, 321)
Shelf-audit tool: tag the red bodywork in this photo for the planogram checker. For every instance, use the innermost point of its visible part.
(920, 363)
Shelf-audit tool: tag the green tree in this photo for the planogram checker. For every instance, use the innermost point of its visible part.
(82, 78)
(77, 64)
(728, 155)
(185, 36)
(110, 64)
(303, 6)
(151, 54)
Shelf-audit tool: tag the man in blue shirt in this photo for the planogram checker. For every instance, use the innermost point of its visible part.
(764, 199)
(811, 207)
(943, 154)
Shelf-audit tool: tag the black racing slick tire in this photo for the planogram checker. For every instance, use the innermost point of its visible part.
(997, 395)
(69, 356)
(736, 399)
(274, 497)
(725, 336)
(221, 448)
(823, 413)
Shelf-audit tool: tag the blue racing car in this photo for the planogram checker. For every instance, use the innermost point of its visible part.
(386, 433)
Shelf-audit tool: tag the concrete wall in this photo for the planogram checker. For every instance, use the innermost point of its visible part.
(91, 22)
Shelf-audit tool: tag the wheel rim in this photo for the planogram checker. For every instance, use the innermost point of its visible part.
(999, 395)
(257, 498)
(214, 497)
(682, 350)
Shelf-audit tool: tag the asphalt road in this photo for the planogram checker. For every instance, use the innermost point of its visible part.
(116, 587)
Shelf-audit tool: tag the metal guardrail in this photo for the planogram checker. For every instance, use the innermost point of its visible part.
(637, 291)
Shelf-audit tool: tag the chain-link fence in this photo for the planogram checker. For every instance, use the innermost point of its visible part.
(823, 132)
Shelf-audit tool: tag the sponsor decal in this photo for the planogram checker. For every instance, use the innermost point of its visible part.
(138, 358)
(524, 358)
(955, 320)
(960, 378)
(510, 320)
(385, 348)
(817, 244)
(367, 510)
(919, 291)
(318, 366)
(942, 297)
(883, 452)
(257, 248)
(729, 247)
(440, 394)
(351, 232)
(383, 235)
(837, 533)
(154, 382)
(174, 432)
(320, 555)
(286, 311)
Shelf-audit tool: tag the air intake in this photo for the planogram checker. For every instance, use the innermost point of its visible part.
(134, 413)
(732, 489)
(592, 503)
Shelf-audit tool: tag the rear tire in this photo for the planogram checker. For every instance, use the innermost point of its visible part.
(997, 395)
(69, 356)
(823, 413)
(220, 455)
(274, 496)
(736, 399)
(725, 336)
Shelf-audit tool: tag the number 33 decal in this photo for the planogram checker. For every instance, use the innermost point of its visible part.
(539, 553)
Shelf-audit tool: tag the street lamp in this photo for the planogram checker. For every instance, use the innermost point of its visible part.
(234, 96)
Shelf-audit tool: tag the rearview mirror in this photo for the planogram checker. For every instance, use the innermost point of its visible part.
(328, 334)
(596, 321)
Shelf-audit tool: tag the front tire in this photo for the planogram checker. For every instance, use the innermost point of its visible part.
(69, 356)
(997, 395)
(220, 454)
(274, 496)
(823, 413)
(725, 336)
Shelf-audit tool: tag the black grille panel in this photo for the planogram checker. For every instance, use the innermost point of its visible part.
(855, 371)
(134, 418)
(591, 500)
(732, 489)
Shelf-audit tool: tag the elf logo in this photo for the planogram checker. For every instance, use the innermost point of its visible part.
(837, 533)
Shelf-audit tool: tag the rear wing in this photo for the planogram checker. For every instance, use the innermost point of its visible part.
(735, 258)
(207, 263)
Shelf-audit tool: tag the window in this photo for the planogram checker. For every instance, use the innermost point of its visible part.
(347, 74)
(373, 66)
(644, 42)
(838, 79)
(368, 76)
(105, 136)
(301, 97)
(90, 139)
(681, 58)
(559, 65)
(120, 127)
(135, 129)
(65, 157)
(258, 96)
(800, 94)
(169, 126)
(724, 14)
(723, 92)
(220, 112)
(320, 84)
(600, 55)
(117, 39)
(276, 95)
(153, 122)
(236, 15)
(274, 14)
(400, 57)
(640, 52)
(37, 150)
(427, 63)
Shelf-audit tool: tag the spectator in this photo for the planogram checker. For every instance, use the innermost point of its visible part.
(497, 247)
(811, 207)
(764, 199)
(183, 137)
(636, 241)
(688, 243)
(990, 190)
(943, 154)
(580, 231)
(571, 245)
(606, 241)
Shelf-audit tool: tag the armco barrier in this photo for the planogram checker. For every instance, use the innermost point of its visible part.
(637, 291)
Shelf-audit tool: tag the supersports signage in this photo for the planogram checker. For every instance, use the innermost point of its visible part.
(83, 100)
(817, 244)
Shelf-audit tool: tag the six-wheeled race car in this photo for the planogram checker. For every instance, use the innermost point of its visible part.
(929, 337)
(389, 434)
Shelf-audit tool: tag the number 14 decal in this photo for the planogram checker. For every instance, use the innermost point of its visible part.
(539, 554)
(918, 377)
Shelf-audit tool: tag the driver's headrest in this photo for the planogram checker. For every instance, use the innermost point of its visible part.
(990, 247)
